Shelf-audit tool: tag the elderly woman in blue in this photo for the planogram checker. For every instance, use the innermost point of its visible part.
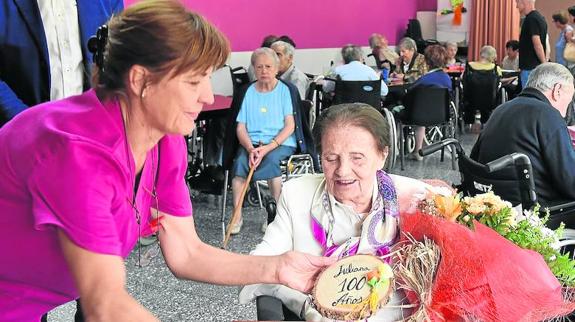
(265, 128)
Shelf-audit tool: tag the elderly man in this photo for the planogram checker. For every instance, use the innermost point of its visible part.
(533, 124)
(287, 70)
(353, 70)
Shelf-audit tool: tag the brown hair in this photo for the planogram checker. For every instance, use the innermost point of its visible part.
(354, 114)
(164, 37)
(435, 56)
(562, 17)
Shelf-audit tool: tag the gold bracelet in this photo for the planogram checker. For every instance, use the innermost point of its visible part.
(276, 142)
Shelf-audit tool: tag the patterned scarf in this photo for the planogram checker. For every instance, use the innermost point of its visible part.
(379, 229)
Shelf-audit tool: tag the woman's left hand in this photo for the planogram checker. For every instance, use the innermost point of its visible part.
(257, 155)
(299, 271)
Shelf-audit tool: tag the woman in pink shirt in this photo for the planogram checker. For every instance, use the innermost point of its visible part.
(82, 178)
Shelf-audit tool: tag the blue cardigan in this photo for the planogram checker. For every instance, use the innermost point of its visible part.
(24, 62)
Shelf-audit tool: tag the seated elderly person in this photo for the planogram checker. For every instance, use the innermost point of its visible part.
(287, 70)
(435, 57)
(383, 55)
(353, 195)
(265, 127)
(487, 58)
(452, 59)
(411, 64)
(533, 124)
(353, 70)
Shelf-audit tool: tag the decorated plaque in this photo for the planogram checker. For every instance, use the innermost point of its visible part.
(353, 288)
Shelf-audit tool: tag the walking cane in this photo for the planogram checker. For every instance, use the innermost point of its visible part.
(238, 207)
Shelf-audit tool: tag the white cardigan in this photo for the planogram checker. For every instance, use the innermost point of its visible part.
(291, 230)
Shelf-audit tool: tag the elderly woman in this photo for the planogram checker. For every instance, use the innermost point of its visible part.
(353, 195)
(383, 55)
(410, 65)
(265, 128)
(451, 48)
(93, 173)
(435, 57)
(487, 58)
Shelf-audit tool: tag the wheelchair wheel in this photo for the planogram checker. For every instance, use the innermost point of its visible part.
(450, 130)
(433, 134)
(252, 196)
(410, 142)
(393, 147)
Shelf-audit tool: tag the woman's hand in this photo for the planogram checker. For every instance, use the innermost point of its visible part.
(257, 154)
(299, 271)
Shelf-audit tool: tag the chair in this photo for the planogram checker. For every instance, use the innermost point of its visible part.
(481, 89)
(427, 106)
(240, 77)
(510, 177)
(301, 114)
(368, 92)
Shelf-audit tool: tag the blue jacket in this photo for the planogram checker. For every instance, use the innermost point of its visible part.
(24, 62)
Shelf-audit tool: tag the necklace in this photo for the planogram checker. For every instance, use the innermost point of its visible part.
(154, 223)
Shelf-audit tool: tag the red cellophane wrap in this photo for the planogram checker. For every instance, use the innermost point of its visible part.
(483, 276)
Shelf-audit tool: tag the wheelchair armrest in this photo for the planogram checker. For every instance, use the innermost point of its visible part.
(439, 145)
(269, 308)
(511, 159)
(237, 69)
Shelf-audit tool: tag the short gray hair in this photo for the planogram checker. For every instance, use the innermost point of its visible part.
(288, 49)
(408, 43)
(267, 52)
(450, 44)
(489, 53)
(546, 75)
(351, 53)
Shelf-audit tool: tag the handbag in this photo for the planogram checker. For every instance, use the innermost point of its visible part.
(569, 52)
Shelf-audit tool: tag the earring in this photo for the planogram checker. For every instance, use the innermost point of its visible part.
(143, 95)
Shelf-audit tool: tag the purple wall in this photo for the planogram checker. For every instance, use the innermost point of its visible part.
(427, 5)
(310, 23)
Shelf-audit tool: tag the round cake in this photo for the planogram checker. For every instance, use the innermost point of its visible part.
(353, 288)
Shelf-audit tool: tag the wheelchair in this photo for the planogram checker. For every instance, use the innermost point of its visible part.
(481, 91)
(431, 107)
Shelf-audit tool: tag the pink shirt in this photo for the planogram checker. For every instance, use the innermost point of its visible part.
(66, 164)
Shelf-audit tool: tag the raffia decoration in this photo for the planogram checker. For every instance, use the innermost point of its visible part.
(415, 267)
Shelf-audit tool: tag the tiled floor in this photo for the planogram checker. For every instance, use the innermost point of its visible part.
(171, 299)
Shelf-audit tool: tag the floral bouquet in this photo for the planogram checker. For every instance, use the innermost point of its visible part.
(494, 264)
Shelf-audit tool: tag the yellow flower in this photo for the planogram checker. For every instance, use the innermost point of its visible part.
(448, 206)
(476, 209)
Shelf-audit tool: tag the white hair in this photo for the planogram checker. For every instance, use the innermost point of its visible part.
(488, 53)
(451, 44)
(546, 75)
(287, 50)
(408, 43)
(351, 53)
(267, 52)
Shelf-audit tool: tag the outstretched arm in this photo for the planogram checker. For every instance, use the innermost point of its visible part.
(189, 258)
